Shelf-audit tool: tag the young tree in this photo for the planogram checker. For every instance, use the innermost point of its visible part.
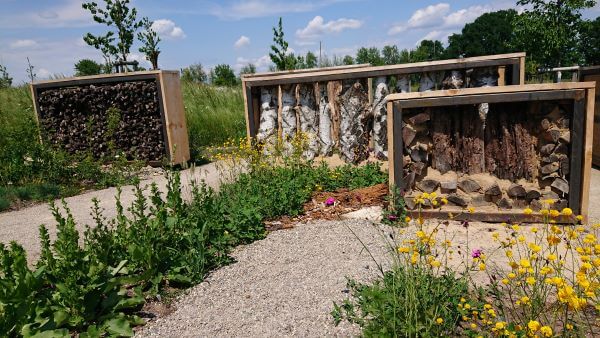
(117, 15)
(248, 69)
(548, 30)
(280, 55)
(369, 55)
(348, 60)
(30, 71)
(222, 75)
(311, 60)
(194, 73)
(590, 42)
(5, 79)
(150, 39)
(491, 33)
(85, 67)
(391, 55)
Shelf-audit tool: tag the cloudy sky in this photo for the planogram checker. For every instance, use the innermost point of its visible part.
(236, 32)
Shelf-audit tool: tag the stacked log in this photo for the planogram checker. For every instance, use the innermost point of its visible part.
(267, 130)
(354, 114)
(309, 123)
(325, 126)
(104, 120)
(289, 123)
(380, 118)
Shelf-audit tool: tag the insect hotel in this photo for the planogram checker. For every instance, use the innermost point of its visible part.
(140, 115)
(343, 110)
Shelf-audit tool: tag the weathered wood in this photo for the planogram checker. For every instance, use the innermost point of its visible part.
(174, 115)
(396, 124)
(307, 111)
(325, 123)
(445, 151)
(287, 114)
(267, 130)
(592, 99)
(577, 155)
(354, 114)
(334, 89)
(380, 118)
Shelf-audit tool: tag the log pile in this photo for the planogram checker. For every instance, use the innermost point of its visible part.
(104, 120)
(518, 159)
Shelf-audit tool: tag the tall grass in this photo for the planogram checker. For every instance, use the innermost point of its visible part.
(214, 114)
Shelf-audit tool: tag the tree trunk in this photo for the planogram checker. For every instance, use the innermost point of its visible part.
(308, 119)
(380, 118)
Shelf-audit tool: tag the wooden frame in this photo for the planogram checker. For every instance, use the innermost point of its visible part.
(170, 104)
(593, 74)
(511, 72)
(582, 94)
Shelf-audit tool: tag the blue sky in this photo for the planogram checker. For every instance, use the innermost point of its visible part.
(235, 32)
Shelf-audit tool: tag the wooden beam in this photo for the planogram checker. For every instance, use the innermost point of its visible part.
(248, 111)
(522, 70)
(487, 217)
(104, 78)
(397, 157)
(408, 68)
(490, 98)
(302, 71)
(588, 152)
(576, 155)
(391, 149)
(502, 76)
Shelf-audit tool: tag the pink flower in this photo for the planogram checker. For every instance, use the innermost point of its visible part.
(476, 253)
(392, 218)
(330, 201)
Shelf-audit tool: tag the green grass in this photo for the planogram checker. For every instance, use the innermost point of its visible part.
(214, 115)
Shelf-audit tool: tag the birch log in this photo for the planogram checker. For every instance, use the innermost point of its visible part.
(426, 83)
(325, 127)
(454, 79)
(354, 110)
(483, 77)
(267, 131)
(380, 118)
(289, 124)
(403, 84)
(307, 111)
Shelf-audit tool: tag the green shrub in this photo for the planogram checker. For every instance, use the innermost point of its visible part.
(406, 302)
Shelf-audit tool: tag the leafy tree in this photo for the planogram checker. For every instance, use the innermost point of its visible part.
(248, 69)
(590, 42)
(85, 67)
(5, 79)
(391, 55)
(548, 30)
(121, 21)
(405, 56)
(311, 60)
(491, 33)
(222, 75)
(280, 56)
(428, 50)
(369, 55)
(194, 73)
(150, 39)
(348, 60)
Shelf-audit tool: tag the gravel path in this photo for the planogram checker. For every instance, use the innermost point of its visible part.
(283, 285)
(22, 225)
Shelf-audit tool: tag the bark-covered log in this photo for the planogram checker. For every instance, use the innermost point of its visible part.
(267, 130)
(334, 90)
(289, 124)
(104, 120)
(427, 82)
(325, 125)
(380, 118)
(307, 111)
(354, 111)
(454, 79)
(403, 84)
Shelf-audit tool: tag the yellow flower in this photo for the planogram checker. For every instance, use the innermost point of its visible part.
(544, 212)
(569, 327)
(403, 249)
(525, 300)
(528, 211)
(482, 266)
(433, 195)
(554, 213)
(473, 326)
(407, 219)
(500, 325)
(471, 209)
(525, 263)
(512, 275)
(534, 325)
(436, 264)
(580, 219)
(567, 211)
(425, 195)
(515, 227)
(534, 247)
(444, 201)
(546, 331)
(439, 321)
(420, 234)
(530, 280)
(551, 257)
(505, 281)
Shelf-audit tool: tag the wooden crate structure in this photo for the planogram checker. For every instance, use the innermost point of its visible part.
(587, 74)
(528, 138)
(279, 104)
(160, 111)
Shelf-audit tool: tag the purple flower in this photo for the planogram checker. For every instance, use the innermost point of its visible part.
(476, 253)
(393, 218)
(330, 201)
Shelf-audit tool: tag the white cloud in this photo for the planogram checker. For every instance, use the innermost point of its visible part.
(167, 29)
(239, 10)
(22, 44)
(242, 41)
(66, 14)
(317, 27)
(262, 63)
(443, 21)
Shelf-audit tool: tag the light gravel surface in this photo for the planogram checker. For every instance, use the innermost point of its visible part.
(281, 286)
(22, 225)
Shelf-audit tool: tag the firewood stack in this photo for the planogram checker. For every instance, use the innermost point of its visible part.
(104, 120)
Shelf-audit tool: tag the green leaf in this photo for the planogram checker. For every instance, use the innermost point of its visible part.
(58, 333)
(60, 318)
(119, 327)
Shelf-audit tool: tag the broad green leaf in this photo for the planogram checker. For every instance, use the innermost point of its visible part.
(119, 327)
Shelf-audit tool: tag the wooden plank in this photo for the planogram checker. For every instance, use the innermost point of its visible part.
(104, 78)
(302, 71)
(587, 152)
(36, 110)
(492, 90)
(391, 149)
(279, 113)
(248, 109)
(486, 217)
(522, 70)
(256, 107)
(398, 155)
(490, 98)
(576, 155)
(502, 76)
(174, 115)
(408, 68)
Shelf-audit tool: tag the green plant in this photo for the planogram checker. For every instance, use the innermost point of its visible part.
(5, 79)
(150, 39)
(85, 67)
(222, 75)
(280, 55)
(395, 213)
